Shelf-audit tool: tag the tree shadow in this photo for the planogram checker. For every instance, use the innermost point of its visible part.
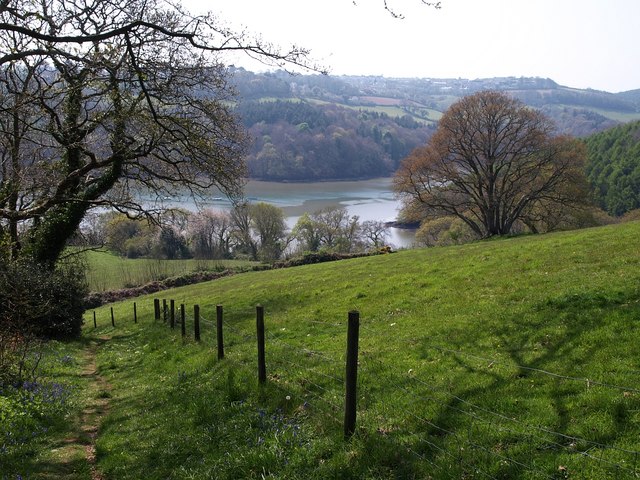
(574, 318)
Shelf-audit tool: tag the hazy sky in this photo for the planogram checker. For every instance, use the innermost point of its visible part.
(578, 43)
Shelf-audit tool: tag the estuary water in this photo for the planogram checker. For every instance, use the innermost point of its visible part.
(369, 199)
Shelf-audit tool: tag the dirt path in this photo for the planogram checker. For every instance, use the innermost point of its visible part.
(95, 410)
(75, 457)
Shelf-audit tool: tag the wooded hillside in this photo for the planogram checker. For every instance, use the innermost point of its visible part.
(614, 168)
(317, 127)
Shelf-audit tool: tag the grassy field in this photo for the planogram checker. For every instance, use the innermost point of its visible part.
(515, 358)
(619, 116)
(107, 271)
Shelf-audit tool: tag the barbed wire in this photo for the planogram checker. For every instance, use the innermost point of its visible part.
(322, 374)
(574, 440)
(493, 361)
(315, 354)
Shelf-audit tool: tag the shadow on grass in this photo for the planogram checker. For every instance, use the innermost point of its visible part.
(562, 336)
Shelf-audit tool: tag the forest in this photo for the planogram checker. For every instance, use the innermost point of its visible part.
(614, 168)
(298, 141)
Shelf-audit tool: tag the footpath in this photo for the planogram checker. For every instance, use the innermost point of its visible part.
(74, 458)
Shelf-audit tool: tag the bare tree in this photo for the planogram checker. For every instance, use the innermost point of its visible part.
(494, 162)
(102, 103)
(210, 234)
(375, 232)
(89, 24)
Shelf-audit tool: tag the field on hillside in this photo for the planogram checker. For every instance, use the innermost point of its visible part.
(107, 271)
(508, 359)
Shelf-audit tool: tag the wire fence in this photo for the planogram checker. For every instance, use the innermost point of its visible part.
(441, 427)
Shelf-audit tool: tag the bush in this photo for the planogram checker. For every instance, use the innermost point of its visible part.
(443, 231)
(322, 256)
(631, 216)
(40, 301)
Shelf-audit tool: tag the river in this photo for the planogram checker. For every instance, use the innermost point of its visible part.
(369, 199)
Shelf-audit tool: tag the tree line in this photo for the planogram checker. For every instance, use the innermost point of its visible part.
(255, 231)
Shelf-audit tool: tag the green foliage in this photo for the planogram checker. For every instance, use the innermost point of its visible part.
(38, 300)
(268, 224)
(171, 245)
(613, 168)
(126, 236)
(444, 231)
(332, 229)
(35, 411)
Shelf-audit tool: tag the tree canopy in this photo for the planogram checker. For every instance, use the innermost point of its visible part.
(494, 162)
(614, 168)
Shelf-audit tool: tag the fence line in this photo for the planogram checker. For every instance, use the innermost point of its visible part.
(496, 421)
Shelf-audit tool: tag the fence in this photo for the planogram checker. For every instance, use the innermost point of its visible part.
(411, 386)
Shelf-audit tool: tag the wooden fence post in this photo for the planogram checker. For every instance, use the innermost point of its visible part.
(351, 374)
(95, 325)
(219, 332)
(172, 313)
(135, 313)
(262, 368)
(196, 322)
(113, 320)
(164, 310)
(156, 308)
(183, 326)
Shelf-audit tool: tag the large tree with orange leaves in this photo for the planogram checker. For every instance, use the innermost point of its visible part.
(493, 162)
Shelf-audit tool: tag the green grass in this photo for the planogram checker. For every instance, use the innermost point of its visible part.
(390, 110)
(623, 117)
(107, 271)
(619, 116)
(514, 358)
(37, 421)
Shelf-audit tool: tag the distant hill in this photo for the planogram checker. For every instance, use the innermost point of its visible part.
(317, 127)
(614, 168)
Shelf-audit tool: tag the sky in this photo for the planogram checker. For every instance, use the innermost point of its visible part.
(577, 43)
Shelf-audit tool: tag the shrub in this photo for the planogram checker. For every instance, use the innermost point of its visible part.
(631, 215)
(444, 231)
(40, 301)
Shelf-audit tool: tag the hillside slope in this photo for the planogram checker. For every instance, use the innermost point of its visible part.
(514, 358)
(315, 127)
